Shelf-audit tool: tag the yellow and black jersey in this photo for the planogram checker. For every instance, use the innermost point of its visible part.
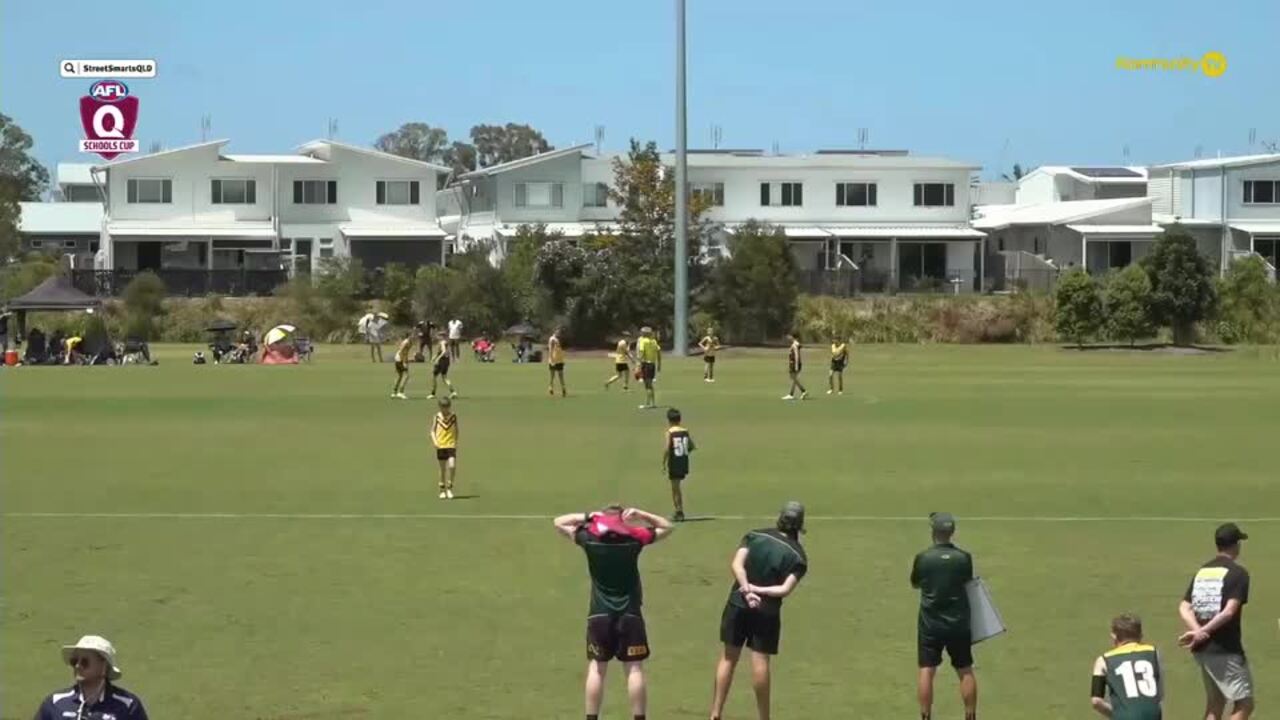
(444, 431)
(710, 345)
(402, 352)
(622, 353)
(555, 352)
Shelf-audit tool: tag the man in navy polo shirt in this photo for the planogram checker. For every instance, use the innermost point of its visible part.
(93, 696)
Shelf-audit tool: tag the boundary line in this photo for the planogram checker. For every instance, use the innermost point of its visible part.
(490, 516)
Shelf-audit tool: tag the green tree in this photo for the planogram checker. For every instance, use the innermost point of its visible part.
(495, 144)
(431, 293)
(752, 292)
(1250, 304)
(519, 271)
(1182, 284)
(1079, 311)
(21, 277)
(1127, 299)
(143, 305)
(416, 140)
(397, 290)
(460, 157)
(22, 178)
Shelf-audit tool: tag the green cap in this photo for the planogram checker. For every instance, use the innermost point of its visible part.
(942, 522)
(792, 517)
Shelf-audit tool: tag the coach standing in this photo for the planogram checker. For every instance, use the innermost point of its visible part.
(941, 573)
(94, 695)
(1211, 610)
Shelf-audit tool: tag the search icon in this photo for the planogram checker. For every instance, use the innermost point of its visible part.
(68, 69)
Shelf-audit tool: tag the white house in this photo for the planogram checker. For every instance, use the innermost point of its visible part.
(1231, 205)
(902, 220)
(199, 208)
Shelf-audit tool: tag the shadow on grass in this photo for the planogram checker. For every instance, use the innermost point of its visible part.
(1166, 348)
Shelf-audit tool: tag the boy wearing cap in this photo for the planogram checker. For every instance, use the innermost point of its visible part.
(941, 573)
(766, 568)
(612, 540)
(93, 664)
(1211, 609)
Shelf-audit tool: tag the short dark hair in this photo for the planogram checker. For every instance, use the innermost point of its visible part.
(673, 415)
(613, 509)
(1127, 627)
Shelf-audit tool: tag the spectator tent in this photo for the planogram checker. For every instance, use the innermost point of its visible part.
(54, 294)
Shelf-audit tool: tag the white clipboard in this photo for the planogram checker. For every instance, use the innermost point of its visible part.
(984, 619)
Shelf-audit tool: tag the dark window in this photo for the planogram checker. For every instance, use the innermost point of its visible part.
(935, 194)
(233, 191)
(315, 192)
(855, 194)
(414, 193)
(333, 192)
(764, 194)
(782, 194)
(1261, 192)
(150, 190)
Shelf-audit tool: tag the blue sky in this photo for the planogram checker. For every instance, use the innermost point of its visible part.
(989, 81)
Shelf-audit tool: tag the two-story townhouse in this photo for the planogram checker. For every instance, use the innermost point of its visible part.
(198, 209)
(1231, 205)
(901, 220)
(1096, 217)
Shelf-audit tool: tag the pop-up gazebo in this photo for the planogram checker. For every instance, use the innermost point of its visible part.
(54, 295)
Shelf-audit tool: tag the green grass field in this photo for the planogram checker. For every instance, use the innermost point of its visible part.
(265, 542)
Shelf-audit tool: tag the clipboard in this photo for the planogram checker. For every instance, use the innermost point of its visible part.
(984, 619)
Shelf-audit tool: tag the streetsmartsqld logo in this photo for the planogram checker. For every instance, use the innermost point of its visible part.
(109, 115)
(1212, 64)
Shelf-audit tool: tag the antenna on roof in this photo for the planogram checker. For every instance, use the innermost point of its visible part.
(717, 133)
(206, 125)
(775, 147)
(333, 128)
(1253, 137)
(1125, 151)
(599, 138)
(155, 147)
(1199, 152)
(862, 138)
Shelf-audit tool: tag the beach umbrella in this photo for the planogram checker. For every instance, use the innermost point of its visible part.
(279, 333)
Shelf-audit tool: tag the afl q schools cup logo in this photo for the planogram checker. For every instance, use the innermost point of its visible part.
(109, 115)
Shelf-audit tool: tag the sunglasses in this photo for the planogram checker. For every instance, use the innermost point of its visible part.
(80, 661)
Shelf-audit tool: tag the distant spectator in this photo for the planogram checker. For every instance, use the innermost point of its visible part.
(423, 331)
(73, 348)
(94, 695)
(455, 337)
(4, 331)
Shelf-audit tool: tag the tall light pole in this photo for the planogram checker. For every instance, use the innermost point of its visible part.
(681, 340)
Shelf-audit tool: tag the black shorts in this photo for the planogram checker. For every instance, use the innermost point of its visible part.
(621, 368)
(648, 371)
(677, 475)
(441, 369)
(620, 637)
(837, 366)
(959, 648)
(709, 359)
(401, 367)
(793, 369)
(558, 367)
(743, 626)
(446, 453)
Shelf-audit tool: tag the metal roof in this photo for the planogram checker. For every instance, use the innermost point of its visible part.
(315, 145)
(169, 228)
(184, 148)
(526, 161)
(266, 158)
(1135, 229)
(74, 174)
(60, 218)
(1098, 174)
(1234, 161)
(418, 230)
(997, 217)
(830, 160)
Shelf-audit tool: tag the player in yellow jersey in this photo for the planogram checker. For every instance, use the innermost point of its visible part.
(444, 435)
(402, 367)
(555, 363)
(440, 367)
(622, 358)
(650, 354)
(839, 360)
(710, 345)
